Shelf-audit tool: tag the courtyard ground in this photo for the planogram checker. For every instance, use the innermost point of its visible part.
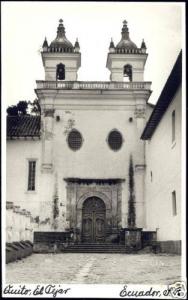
(95, 269)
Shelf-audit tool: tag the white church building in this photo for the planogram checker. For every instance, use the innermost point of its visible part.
(70, 166)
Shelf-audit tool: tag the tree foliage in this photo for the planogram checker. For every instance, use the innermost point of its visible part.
(12, 110)
(19, 109)
(35, 107)
(24, 108)
(131, 202)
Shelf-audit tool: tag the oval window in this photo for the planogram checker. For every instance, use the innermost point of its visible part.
(115, 140)
(74, 140)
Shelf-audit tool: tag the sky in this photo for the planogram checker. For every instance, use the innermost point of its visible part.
(25, 25)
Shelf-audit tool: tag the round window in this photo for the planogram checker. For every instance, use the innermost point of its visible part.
(115, 140)
(74, 139)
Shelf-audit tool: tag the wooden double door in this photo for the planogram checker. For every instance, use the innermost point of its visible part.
(93, 220)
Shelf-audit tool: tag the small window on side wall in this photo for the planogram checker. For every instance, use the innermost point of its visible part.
(127, 73)
(31, 175)
(60, 72)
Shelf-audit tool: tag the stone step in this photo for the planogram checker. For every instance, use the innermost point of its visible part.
(74, 246)
(105, 249)
(97, 245)
(96, 248)
(94, 251)
(83, 248)
(99, 248)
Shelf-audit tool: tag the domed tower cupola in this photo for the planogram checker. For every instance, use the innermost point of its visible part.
(61, 59)
(61, 43)
(126, 61)
(125, 43)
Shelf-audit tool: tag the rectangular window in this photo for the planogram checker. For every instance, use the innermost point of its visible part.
(31, 175)
(174, 207)
(173, 125)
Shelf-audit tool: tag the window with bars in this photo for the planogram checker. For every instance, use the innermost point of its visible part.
(115, 140)
(75, 140)
(173, 126)
(31, 175)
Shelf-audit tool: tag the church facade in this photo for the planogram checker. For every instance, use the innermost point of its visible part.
(72, 163)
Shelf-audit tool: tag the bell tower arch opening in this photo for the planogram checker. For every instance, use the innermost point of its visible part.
(127, 73)
(60, 72)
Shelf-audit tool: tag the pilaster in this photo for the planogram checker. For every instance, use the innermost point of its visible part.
(47, 141)
(139, 193)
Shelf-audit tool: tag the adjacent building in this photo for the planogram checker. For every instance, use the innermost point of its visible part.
(163, 136)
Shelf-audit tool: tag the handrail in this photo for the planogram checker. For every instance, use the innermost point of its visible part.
(84, 85)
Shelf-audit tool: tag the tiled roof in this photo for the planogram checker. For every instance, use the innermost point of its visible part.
(23, 126)
(167, 95)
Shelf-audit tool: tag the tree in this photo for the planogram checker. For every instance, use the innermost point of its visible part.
(35, 107)
(131, 202)
(22, 107)
(12, 110)
(25, 108)
(19, 109)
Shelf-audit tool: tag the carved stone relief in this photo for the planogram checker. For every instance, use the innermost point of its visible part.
(69, 126)
(140, 113)
(49, 112)
(110, 194)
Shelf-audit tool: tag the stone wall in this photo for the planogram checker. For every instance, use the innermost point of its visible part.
(19, 232)
(19, 224)
(19, 152)
(46, 242)
(173, 247)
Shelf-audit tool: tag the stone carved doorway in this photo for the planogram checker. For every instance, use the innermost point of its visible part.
(93, 220)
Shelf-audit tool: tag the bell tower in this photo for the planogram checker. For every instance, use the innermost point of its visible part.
(126, 61)
(61, 60)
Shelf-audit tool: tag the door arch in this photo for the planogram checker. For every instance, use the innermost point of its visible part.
(93, 220)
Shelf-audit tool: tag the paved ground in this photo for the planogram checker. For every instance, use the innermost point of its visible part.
(95, 268)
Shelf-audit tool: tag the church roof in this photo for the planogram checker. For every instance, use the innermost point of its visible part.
(23, 126)
(166, 97)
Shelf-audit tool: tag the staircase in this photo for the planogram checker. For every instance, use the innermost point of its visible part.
(96, 248)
